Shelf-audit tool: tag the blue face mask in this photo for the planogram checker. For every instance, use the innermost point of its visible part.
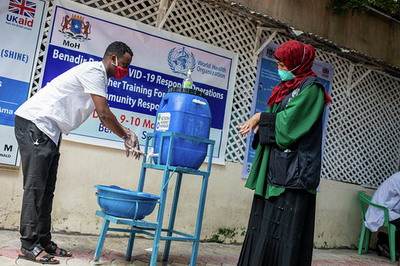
(285, 75)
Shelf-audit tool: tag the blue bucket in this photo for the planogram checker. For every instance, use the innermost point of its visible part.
(183, 111)
(125, 203)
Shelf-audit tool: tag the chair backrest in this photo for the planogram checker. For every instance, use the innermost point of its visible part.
(365, 201)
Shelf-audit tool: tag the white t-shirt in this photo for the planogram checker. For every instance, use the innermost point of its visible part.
(65, 102)
(388, 195)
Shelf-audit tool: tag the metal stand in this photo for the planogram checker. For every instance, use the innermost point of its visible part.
(155, 229)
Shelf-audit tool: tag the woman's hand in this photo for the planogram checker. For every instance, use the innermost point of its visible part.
(250, 124)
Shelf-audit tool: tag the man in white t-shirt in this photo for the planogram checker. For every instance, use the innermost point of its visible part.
(61, 106)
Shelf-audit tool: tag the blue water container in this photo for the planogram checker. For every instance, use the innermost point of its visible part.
(183, 111)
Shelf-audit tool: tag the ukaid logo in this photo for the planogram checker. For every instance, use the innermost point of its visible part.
(21, 13)
(76, 27)
(180, 60)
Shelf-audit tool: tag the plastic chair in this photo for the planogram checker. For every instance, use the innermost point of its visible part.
(365, 201)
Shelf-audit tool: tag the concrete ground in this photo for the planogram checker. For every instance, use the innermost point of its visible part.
(82, 247)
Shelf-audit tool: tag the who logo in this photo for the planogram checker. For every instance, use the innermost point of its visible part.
(180, 60)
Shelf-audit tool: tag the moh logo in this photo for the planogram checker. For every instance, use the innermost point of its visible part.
(76, 28)
(270, 52)
(21, 13)
(325, 72)
(180, 60)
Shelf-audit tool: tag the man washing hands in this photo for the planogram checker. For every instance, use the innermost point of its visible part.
(60, 107)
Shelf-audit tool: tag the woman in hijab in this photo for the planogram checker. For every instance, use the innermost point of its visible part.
(286, 167)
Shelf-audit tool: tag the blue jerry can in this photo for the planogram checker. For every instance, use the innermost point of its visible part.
(183, 111)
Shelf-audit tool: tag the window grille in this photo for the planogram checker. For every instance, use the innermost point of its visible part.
(362, 134)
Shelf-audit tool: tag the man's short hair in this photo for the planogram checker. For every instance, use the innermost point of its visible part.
(118, 48)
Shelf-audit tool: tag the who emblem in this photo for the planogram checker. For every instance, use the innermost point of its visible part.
(180, 60)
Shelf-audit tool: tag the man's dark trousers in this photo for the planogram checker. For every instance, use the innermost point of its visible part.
(39, 157)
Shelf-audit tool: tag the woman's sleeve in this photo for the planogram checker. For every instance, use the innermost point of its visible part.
(301, 112)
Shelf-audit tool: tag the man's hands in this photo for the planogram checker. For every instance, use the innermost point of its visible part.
(131, 143)
(109, 120)
(250, 124)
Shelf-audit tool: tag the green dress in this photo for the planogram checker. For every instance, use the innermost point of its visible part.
(300, 114)
(281, 222)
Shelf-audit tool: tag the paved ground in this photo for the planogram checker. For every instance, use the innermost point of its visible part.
(82, 248)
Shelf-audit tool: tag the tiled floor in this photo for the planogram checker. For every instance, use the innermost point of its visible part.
(82, 248)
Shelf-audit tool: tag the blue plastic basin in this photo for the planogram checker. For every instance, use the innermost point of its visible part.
(125, 203)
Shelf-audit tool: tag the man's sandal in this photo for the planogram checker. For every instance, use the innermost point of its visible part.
(33, 255)
(52, 250)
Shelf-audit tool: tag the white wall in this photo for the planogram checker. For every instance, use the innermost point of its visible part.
(227, 206)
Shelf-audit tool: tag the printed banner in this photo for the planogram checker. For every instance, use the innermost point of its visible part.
(160, 62)
(267, 78)
(21, 26)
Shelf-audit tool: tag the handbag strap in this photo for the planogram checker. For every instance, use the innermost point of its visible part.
(307, 81)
